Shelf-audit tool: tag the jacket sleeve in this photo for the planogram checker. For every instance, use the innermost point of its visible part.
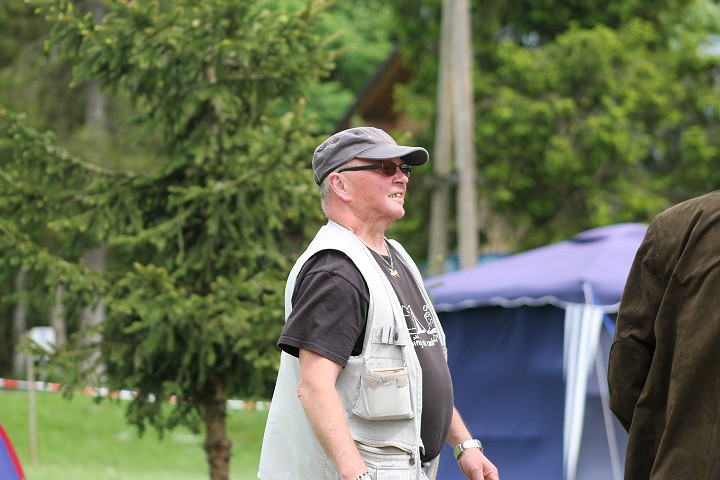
(634, 344)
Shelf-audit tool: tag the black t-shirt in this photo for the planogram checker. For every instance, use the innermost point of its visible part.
(330, 305)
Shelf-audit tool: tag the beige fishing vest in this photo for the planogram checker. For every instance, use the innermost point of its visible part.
(380, 389)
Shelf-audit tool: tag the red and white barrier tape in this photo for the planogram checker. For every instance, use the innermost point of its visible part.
(10, 384)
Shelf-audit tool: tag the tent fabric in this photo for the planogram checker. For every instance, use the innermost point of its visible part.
(508, 374)
(508, 381)
(555, 274)
(526, 344)
(10, 468)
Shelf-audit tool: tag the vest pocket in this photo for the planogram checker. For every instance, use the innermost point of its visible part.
(388, 463)
(384, 394)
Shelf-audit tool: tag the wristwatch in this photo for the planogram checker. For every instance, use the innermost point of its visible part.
(461, 447)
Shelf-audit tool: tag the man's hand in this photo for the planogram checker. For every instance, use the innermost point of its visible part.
(476, 466)
(472, 461)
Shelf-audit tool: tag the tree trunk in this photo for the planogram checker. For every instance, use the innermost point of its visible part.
(96, 258)
(57, 317)
(217, 445)
(19, 325)
(93, 315)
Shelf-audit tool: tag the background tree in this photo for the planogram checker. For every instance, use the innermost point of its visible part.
(36, 82)
(587, 113)
(19, 31)
(210, 231)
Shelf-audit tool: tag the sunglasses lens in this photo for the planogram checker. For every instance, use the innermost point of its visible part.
(389, 168)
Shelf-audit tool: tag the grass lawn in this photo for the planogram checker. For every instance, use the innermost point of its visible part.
(79, 439)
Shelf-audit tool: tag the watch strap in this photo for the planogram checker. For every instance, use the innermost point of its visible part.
(461, 447)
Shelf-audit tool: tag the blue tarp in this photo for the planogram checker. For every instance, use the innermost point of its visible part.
(555, 273)
(509, 388)
(504, 322)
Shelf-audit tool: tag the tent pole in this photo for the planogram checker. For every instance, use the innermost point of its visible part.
(612, 439)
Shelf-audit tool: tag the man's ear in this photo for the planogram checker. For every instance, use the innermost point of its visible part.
(339, 186)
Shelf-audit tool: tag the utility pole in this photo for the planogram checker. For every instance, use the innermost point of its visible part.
(442, 156)
(454, 137)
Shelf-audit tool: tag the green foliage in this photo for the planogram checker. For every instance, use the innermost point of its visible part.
(199, 185)
(186, 62)
(41, 184)
(586, 113)
(363, 31)
(31, 81)
(551, 18)
(161, 334)
(203, 241)
(577, 132)
(19, 28)
(37, 83)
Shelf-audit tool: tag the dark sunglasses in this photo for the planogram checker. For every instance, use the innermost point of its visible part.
(386, 168)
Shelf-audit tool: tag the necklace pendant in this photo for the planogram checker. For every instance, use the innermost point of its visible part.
(394, 273)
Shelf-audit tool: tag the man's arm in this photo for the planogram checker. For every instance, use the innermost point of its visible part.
(631, 350)
(324, 409)
(473, 463)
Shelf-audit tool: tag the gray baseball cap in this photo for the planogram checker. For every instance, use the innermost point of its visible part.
(368, 143)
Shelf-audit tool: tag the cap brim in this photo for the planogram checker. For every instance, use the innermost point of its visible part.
(411, 155)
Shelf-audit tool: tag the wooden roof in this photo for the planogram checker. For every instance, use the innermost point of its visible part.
(375, 105)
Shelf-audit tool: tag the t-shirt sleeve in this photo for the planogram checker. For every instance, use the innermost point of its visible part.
(330, 304)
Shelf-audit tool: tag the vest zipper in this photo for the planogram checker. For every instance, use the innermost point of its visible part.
(383, 451)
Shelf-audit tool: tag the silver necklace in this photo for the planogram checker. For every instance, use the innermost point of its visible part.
(390, 266)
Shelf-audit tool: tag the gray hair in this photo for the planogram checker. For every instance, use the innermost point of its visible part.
(324, 195)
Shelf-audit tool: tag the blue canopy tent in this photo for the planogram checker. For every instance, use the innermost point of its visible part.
(528, 341)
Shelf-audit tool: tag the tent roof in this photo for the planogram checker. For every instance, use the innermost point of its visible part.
(592, 266)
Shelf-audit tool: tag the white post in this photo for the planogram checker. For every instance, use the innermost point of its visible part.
(32, 415)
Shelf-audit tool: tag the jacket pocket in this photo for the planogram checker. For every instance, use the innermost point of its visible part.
(384, 394)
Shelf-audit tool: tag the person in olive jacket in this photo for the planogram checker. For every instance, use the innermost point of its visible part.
(664, 370)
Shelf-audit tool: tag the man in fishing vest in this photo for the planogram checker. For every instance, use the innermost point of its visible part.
(364, 390)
